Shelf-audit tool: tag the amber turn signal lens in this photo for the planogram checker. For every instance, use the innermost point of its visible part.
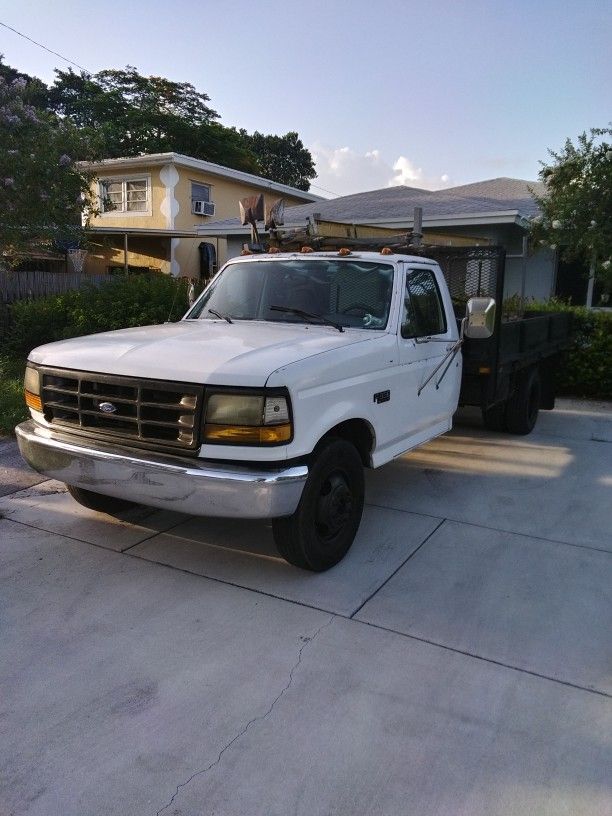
(33, 401)
(260, 435)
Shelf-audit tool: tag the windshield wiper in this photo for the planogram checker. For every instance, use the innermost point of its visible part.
(312, 318)
(222, 316)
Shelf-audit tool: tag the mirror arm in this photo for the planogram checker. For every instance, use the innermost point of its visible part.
(454, 350)
(451, 354)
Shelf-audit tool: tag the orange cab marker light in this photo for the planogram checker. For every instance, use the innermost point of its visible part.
(344, 251)
(306, 249)
(33, 401)
(386, 251)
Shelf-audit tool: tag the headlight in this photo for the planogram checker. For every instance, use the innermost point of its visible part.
(31, 384)
(247, 419)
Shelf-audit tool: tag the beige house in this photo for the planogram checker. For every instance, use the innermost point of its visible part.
(152, 207)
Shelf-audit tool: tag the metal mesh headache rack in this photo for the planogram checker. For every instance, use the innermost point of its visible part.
(469, 271)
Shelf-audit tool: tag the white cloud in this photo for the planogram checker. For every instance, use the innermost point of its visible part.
(342, 171)
(406, 173)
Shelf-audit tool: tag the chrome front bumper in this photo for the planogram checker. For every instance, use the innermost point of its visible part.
(196, 487)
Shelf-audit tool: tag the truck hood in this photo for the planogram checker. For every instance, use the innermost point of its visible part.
(197, 351)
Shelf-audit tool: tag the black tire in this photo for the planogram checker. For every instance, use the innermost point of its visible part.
(99, 502)
(524, 404)
(494, 418)
(320, 532)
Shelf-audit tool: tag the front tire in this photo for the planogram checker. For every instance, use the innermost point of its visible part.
(320, 532)
(99, 502)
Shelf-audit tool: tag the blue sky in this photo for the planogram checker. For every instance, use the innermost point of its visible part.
(427, 94)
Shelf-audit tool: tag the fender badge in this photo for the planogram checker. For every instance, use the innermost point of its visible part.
(107, 407)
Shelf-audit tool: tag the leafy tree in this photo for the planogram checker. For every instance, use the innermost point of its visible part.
(282, 158)
(576, 207)
(134, 114)
(42, 191)
(157, 95)
(35, 91)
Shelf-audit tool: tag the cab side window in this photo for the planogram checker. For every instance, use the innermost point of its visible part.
(423, 313)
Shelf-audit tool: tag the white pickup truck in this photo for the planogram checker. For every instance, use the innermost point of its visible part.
(290, 374)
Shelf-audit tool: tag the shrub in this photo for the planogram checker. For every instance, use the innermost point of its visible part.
(587, 368)
(139, 300)
(12, 404)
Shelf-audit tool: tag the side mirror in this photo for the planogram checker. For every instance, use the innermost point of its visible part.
(480, 318)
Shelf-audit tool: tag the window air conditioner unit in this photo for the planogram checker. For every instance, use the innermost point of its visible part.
(203, 207)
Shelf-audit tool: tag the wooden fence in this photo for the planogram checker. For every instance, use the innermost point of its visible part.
(35, 284)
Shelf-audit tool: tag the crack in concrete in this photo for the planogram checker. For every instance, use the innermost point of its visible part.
(306, 641)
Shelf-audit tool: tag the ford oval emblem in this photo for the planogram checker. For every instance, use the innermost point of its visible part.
(107, 407)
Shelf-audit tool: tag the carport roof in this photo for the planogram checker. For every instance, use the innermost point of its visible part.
(143, 233)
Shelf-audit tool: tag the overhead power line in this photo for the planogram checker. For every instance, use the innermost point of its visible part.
(40, 45)
(325, 190)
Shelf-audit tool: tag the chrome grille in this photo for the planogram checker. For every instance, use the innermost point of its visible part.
(149, 413)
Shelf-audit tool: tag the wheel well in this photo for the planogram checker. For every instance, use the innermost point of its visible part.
(359, 432)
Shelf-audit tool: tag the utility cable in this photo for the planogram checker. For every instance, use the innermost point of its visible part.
(325, 190)
(40, 45)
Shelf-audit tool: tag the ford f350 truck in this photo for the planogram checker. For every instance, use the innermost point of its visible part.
(291, 373)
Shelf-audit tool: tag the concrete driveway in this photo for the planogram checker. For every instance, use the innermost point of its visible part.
(458, 662)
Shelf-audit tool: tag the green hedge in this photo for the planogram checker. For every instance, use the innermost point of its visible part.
(587, 367)
(139, 300)
(12, 405)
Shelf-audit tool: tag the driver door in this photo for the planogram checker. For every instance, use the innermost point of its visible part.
(427, 332)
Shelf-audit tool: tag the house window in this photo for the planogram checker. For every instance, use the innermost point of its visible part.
(199, 192)
(423, 311)
(125, 195)
(201, 203)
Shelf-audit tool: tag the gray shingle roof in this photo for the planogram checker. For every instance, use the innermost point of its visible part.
(395, 202)
(494, 195)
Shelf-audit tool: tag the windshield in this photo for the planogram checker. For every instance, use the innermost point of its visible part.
(349, 293)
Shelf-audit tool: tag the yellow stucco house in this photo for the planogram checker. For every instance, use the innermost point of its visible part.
(151, 207)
